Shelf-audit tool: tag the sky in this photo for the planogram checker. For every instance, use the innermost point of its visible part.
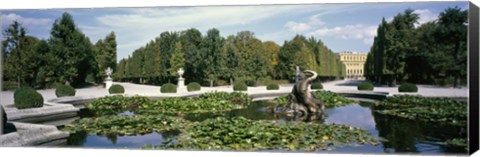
(342, 27)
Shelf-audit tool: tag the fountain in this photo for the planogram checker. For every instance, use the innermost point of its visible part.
(301, 103)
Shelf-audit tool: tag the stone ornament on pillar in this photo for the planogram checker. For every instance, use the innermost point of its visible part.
(181, 82)
(108, 81)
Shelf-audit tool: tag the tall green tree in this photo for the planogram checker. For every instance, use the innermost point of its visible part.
(213, 56)
(105, 51)
(453, 30)
(177, 60)
(73, 51)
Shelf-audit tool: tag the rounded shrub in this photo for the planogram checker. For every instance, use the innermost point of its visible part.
(272, 86)
(365, 86)
(116, 89)
(240, 86)
(168, 88)
(407, 87)
(27, 98)
(64, 90)
(193, 86)
(316, 85)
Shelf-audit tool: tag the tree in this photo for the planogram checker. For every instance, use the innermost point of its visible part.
(453, 30)
(213, 58)
(105, 55)
(400, 41)
(272, 50)
(72, 51)
(177, 60)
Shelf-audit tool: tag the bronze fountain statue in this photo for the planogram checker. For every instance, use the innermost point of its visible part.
(302, 105)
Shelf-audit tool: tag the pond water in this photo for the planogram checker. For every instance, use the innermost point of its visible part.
(403, 136)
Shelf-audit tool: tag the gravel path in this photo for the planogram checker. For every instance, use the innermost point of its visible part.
(6, 97)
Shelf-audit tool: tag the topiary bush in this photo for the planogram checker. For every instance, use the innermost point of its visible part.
(272, 86)
(64, 90)
(193, 86)
(316, 85)
(27, 98)
(408, 87)
(240, 86)
(116, 89)
(365, 86)
(168, 88)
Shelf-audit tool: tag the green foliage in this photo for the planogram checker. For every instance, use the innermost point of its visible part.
(193, 86)
(9, 85)
(240, 86)
(72, 51)
(244, 134)
(64, 90)
(365, 86)
(105, 53)
(330, 99)
(440, 45)
(112, 105)
(441, 110)
(316, 85)
(207, 102)
(116, 89)
(26, 97)
(126, 125)
(168, 88)
(177, 60)
(407, 87)
(272, 86)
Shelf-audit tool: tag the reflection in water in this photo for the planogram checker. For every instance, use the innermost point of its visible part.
(402, 135)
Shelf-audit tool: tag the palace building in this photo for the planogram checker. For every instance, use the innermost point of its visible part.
(353, 62)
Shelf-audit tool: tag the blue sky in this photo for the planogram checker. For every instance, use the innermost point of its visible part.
(342, 27)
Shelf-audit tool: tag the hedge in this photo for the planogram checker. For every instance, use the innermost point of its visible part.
(168, 88)
(27, 98)
(272, 86)
(316, 85)
(365, 86)
(408, 87)
(64, 90)
(240, 86)
(193, 86)
(116, 89)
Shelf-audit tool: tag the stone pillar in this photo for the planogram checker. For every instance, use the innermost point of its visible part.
(108, 83)
(109, 80)
(181, 88)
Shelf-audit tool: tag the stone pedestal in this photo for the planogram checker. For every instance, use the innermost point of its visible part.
(108, 83)
(181, 88)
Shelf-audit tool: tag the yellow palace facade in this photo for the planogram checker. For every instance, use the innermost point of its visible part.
(354, 63)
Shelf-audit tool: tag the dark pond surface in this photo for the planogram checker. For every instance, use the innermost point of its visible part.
(403, 136)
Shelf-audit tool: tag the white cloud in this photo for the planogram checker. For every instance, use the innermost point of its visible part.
(26, 21)
(349, 32)
(425, 16)
(135, 27)
(299, 27)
